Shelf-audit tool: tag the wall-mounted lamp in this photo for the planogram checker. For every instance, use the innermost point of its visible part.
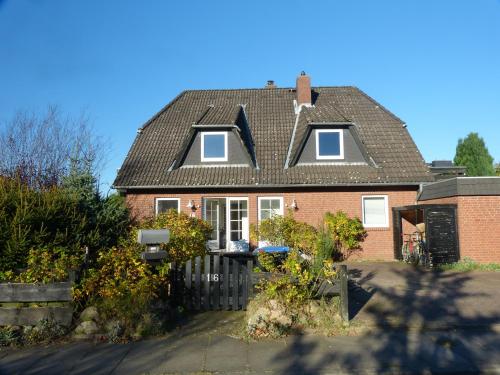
(191, 205)
(294, 205)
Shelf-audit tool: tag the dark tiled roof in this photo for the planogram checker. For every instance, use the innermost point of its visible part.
(271, 119)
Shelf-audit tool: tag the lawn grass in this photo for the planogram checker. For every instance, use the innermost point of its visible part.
(467, 265)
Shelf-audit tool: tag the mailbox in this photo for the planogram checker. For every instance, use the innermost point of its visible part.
(153, 238)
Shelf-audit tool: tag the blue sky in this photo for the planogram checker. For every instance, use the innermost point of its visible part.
(435, 64)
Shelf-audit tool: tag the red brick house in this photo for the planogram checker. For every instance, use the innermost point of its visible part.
(234, 157)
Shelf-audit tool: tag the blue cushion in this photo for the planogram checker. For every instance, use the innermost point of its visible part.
(273, 249)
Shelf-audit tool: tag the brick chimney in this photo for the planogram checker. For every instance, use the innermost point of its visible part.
(303, 89)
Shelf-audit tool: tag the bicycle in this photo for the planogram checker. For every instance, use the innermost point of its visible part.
(414, 250)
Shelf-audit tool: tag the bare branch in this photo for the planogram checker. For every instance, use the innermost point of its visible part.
(40, 149)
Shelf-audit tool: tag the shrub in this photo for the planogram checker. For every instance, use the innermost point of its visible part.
(49, 265)
(46, 330)
(8, 336)
(324, 249)
(346, 233)
(53, 218)
(294, 280)
(122, 286)
(188, 235)
(32, 219)
(285, 230)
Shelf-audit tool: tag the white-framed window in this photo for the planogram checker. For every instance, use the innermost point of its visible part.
(269, 207)
(214, 146)
(166, 204)
(329, 144)
(375, 211)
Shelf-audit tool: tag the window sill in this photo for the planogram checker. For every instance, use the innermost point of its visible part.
(376, 229)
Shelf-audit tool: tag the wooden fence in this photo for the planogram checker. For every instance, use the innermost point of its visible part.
(15, 296)
(213, 283)
(226, 283)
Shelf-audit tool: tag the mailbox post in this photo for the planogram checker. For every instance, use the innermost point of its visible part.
(153, 238)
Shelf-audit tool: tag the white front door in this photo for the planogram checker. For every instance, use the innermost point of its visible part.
(237, 225)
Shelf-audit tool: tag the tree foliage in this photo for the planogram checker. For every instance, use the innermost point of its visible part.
(472, 153)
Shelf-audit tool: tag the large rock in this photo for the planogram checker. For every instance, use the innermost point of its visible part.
(89, 314)
(87, 328)
(273, 319)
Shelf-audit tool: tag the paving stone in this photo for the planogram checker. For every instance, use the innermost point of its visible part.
(269, 355)
(226, 354)
(102, 359)
(20, 361)
(62, 361)
(186, 355)
(146, 356)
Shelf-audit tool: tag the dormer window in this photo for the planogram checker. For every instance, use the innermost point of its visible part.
(329, 144)
(213, 146)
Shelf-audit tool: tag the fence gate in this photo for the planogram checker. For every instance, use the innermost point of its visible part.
(213, 283)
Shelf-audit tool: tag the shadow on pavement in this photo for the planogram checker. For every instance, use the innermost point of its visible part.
(424, 321)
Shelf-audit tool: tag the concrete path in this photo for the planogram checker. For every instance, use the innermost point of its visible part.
(382, 352)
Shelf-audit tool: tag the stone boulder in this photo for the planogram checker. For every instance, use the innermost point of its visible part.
(89, 314)
(87, 328)
(269, 320)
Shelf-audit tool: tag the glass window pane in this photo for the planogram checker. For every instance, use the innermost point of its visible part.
(214, 146)
(275, 204)
(329, 144)
(265, 214)
(374, 211)
(234, 225)
(265, 204)
(234, 215)
(165, 205)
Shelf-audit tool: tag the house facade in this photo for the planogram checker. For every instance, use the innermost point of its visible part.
(235, 157)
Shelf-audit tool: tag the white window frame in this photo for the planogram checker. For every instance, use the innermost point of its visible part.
(341, 141)
(167, 199)
(259, 199)
(386, 204)
(203, 158)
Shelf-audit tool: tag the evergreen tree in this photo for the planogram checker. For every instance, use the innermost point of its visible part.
(473, 154)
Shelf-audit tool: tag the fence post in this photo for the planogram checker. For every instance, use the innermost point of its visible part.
(188, 281)
(344, 294)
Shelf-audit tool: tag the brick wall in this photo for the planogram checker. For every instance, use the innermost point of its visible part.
(311, 207)
(478, 226)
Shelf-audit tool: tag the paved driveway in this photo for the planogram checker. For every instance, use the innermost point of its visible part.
(399, 295)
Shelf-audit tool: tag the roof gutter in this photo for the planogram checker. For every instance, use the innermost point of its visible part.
(267, 186)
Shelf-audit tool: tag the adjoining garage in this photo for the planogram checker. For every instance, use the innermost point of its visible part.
(477, 200)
